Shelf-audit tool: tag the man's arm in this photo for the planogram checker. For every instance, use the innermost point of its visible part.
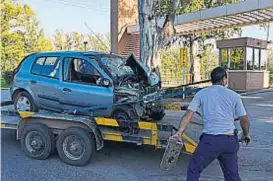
(244, 121)
(185, 122)
(195, 104)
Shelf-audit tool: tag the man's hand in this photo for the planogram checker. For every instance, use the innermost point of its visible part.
(245, 139)
(177, 136)
(183, 125)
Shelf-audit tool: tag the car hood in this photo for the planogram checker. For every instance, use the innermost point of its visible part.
(142, 70)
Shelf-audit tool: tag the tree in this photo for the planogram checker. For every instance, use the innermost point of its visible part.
(208, 62)
(75, 41)
(43, 43)
(58, 40)
(20, 34)
(155, 35)
(99, 42)
(12, 50)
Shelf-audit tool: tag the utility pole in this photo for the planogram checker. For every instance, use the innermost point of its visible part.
(114, 26)
(85, 43)
(267, 35)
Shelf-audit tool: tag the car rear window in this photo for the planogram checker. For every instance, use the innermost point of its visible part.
(46, 66)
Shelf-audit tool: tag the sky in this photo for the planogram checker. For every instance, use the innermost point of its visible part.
(70, 15)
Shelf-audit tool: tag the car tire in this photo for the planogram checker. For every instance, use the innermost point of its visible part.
(76, 146)
(26, 99)
(37, 141)
(124, 119)
(158, 116)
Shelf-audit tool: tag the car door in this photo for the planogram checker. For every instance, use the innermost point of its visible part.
(44, 81)
(79, 87)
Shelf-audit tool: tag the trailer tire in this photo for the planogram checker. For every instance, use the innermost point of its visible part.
(75, 146)
(37, 141)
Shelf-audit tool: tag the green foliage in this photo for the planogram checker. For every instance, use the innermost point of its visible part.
(99, 42)
(20, 34)
(12, 50)
(209, 61)
(75, 41)
(6, 79)
(172, 71)
(4, 83)
(170, 59)
(236, 58)
(58, 40)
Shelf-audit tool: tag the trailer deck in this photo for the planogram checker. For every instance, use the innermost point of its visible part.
(141, 132)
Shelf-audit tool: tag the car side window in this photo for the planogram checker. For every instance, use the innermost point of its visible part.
(80, 70)
(46, 66)
(38, 65)
(51, 67)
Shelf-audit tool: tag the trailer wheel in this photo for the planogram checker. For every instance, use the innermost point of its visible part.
(37, 141)
(75, 146)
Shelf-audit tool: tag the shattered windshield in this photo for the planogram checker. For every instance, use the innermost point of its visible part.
(116, 66)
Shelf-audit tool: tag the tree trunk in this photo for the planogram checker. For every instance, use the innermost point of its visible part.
(191, 60)
(152, 36)
(148, 31)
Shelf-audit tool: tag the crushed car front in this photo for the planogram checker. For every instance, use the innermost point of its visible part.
(133, 82)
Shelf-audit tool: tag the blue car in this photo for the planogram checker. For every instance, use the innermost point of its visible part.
(61, 81)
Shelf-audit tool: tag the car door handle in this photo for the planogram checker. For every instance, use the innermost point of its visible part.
(33, 82)
(66, 90)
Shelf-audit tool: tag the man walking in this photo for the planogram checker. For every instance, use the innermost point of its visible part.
(220, 106)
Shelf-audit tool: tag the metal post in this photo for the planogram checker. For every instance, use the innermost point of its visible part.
(253, 57)
(220, 57)
(228, 58)
(183, 75)
(260, 56)
(245, 58)
(183, 89)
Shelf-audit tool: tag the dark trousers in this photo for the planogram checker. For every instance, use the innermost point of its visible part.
(211, 147)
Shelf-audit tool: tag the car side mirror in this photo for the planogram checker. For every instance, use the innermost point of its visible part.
(103, 82)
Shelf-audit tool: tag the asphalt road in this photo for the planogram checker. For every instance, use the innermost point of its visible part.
(5, 95)
(128, 162)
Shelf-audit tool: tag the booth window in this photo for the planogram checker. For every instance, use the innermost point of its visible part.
(263, 59)
(249, 58)
(224, 56)
(237, 59)
(256, 59)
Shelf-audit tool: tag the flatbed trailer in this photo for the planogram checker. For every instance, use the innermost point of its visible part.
(78, 137)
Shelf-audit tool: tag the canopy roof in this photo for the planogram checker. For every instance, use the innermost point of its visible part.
(245, 13)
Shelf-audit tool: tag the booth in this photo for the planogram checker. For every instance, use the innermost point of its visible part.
(246, 62)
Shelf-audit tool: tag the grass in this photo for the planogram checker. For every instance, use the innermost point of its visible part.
(4, 84)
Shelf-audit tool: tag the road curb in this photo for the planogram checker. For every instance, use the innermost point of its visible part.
(256, 92)
(6, 103)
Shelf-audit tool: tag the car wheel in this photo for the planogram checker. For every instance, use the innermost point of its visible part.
(75, 146)
(37, 141)
(24, 102)
(157, 116)
(124, 119)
